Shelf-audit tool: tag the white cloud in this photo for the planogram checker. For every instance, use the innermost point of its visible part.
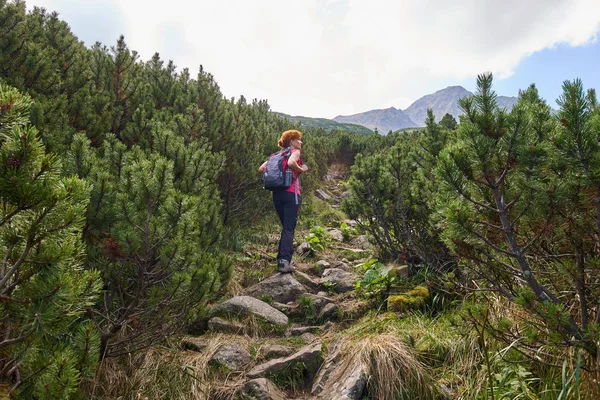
(329, 57)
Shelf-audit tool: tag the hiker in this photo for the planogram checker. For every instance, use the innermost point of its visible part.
(287, 201)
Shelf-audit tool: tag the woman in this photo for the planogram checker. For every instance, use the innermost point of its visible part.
(287, 201)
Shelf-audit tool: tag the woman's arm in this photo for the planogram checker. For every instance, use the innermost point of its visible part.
(293, 163)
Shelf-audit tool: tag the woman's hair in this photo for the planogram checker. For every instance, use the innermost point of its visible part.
(287, 137)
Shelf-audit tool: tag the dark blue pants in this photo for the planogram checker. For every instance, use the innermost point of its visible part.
(287, 210)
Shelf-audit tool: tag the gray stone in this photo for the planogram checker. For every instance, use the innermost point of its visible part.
(246, 305)
(282, 288)
(341, 280)
(303, 248)
(309, 356)
(275, 351)
(330, 312)
(340, 265)
(233, 355)
(336, 234)
(217, 324)
(361, 242)
(319, 300)
(307, 281)
(308, 337)
(323, 263)
(321, 194)
(350, 222)
(336, 383)
(260, 389)
(300, 330)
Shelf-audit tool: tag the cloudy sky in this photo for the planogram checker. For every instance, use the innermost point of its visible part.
(323, 58)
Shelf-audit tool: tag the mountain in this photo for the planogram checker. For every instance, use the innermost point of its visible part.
(389, 119)
(328, 124)
(441, 102)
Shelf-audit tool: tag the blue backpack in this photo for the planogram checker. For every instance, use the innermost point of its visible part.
(277, 175)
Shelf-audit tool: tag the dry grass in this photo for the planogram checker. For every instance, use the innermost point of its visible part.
(163, 373)
(393, 367)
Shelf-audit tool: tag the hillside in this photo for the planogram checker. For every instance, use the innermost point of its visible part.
(386, 120)
(328, 124)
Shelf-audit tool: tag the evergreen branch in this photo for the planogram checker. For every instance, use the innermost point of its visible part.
(490, 243)
(490, 225)
(11, 299)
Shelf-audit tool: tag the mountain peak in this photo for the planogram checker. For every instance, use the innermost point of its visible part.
(384, 120)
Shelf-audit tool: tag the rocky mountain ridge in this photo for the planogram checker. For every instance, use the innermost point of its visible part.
(441, 102)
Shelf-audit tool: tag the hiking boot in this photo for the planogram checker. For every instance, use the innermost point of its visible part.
(285, 266)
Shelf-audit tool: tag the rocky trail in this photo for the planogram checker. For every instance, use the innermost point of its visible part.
(279, 338)
(283, 336)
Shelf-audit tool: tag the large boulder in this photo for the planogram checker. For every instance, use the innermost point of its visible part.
(283, 288)
(260, 389)
(308, 356)
(232, 355)
(242, 306)
(341, 281)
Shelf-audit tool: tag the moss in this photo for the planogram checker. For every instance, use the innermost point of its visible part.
(410, 300)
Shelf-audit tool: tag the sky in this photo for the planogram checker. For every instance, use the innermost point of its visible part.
(323, 58)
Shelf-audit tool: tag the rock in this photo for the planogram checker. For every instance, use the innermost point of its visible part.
(336, 234)
(217, 324)
(334, 383)
(340, 280)
(309, 356)
(308, 337)
(287, 309)
(232, 355)
(410, 300)
(322, 294)
(282, 288)
(193, 344)
(321, 194)
(319, 300)
(307, 281)
(275, 351)
(300, 330)
(260, 389)
(350, 222)
(323, 263)
(303, 248)
(246, 305)
(340, 265)
(361, 242)
(330, 312)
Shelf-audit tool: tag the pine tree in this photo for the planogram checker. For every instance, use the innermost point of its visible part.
(503, 211)
(153, 230)
(47, 346)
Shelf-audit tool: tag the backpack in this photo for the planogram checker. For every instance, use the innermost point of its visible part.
(277, 175)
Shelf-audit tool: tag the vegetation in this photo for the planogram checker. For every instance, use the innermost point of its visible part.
(129, 199)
